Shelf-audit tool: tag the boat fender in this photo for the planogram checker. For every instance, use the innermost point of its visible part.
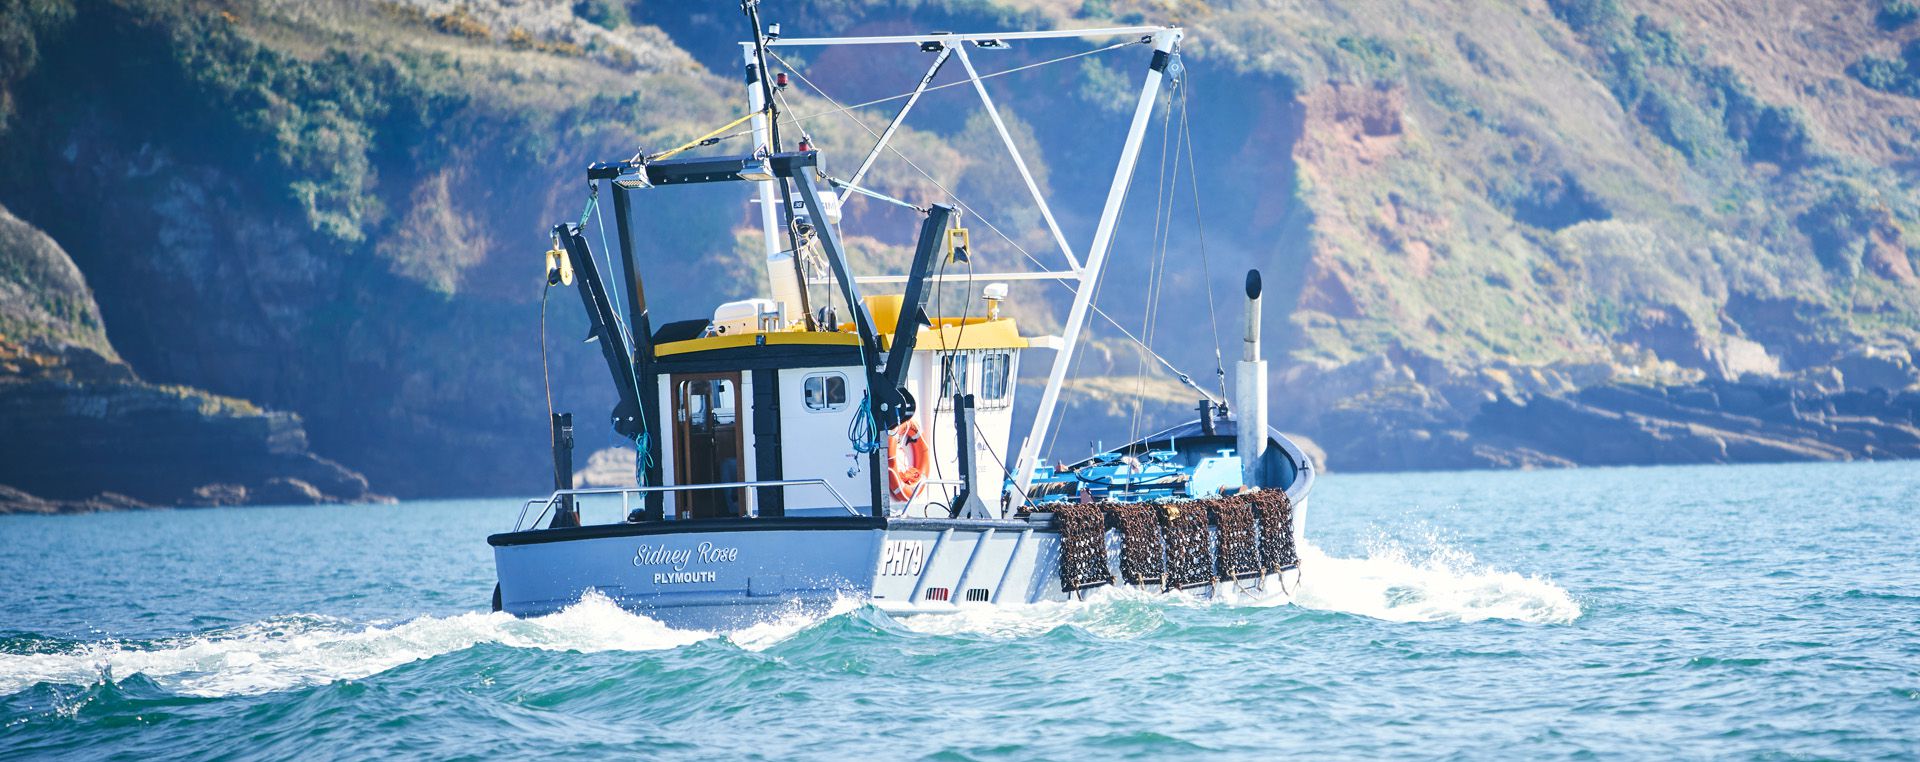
(907, 458)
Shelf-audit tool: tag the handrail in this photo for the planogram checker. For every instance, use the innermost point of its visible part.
(922, 487)
(557, 494)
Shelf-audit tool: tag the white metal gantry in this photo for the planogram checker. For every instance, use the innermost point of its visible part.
(1164, 40)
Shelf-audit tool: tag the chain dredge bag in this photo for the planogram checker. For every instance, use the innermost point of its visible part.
(1083, 547)
(1238, 553)
(1189, 545)
(1142, 549)
(1275, 513)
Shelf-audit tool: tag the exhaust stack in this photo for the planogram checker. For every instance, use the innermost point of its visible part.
(1250, 393)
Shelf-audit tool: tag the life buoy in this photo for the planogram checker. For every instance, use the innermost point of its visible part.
(907, 459)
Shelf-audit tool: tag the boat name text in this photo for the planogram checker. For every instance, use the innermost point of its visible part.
(678, 558)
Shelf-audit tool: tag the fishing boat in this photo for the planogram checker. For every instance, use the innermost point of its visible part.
(793, 453)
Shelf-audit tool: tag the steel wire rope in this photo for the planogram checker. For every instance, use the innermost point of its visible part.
(1126, 201)
(1004, 468)
(929, 177)
(1159, 287)
(839, 109)
(916, 167)
(1200, 229)
(546, 377)
(959, 339)
(1179, 374)
(642, 456)
(1156, 268)
(846, 111)
(606, 252)
(800, 258)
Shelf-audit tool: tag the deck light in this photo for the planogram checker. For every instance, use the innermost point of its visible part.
(758, 171)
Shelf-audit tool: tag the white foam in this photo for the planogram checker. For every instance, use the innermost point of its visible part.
(1108, 612)
(292, 652)
(1391, 583)
(1436, 584)
(793, 621)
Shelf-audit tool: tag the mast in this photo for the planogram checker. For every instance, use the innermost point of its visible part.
(1165, 41)
(766, 137)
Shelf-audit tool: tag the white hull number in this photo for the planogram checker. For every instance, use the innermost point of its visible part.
(902, 558)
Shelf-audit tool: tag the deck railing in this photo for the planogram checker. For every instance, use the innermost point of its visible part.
(626, 493)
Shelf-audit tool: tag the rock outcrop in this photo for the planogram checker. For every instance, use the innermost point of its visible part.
(83, 432)
(1470, 216)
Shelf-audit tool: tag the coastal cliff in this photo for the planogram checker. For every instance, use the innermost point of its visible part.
(84, 433)
(1481, 225)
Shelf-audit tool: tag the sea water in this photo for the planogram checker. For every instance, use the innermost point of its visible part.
(1725, 612)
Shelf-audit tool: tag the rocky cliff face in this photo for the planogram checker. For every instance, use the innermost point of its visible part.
(84, 433)
(1471, 217)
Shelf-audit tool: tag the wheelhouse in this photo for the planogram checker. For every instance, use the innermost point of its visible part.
(760, 403)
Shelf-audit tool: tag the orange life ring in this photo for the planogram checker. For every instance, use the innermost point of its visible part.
(904, 477)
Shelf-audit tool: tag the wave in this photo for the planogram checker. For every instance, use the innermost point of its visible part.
(302, 650)
(1390, 583)
(1434, 583)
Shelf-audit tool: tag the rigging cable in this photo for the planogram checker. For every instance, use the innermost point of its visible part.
(606, 252)
(642, 453)
(751, 8)
(846, 111)
(1126, 201)
(710, 138)
(903, 157)
(1182, 376)
(546, 378)
(839, 109)
(946, 369)
(1157, 266)
(1200, 228)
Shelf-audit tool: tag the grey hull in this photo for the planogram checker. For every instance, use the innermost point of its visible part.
(728, 574)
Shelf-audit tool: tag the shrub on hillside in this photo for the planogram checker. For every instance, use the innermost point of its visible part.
(610, 14)
(1887, 75)
(1895, 14)
(1588, 16)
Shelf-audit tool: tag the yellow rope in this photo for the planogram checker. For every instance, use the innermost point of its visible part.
(703, 138)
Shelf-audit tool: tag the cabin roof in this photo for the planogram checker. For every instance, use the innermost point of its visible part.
(946, 334)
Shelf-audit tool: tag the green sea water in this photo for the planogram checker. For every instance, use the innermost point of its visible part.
(1701, 612)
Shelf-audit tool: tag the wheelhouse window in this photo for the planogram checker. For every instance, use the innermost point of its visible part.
(994, 382)
(706, 398)
(825, 392)
(953, 376)
(991, 381)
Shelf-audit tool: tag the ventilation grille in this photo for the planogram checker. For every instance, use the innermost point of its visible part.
(977, 595)
(937, 593)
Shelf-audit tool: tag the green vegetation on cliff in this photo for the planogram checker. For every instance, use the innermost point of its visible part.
(334, 207)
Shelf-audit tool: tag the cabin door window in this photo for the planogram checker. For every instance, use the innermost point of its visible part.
(708, 444)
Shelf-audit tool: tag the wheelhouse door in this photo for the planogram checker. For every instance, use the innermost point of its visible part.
(708, 444)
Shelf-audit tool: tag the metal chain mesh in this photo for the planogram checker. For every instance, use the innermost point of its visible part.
(1178, 545)
(1189, 545)
(1142, 549)
(1238, 556)
(1083, 547)
(1275, 512)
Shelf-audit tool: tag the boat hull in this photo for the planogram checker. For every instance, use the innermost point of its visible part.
(728, 574)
